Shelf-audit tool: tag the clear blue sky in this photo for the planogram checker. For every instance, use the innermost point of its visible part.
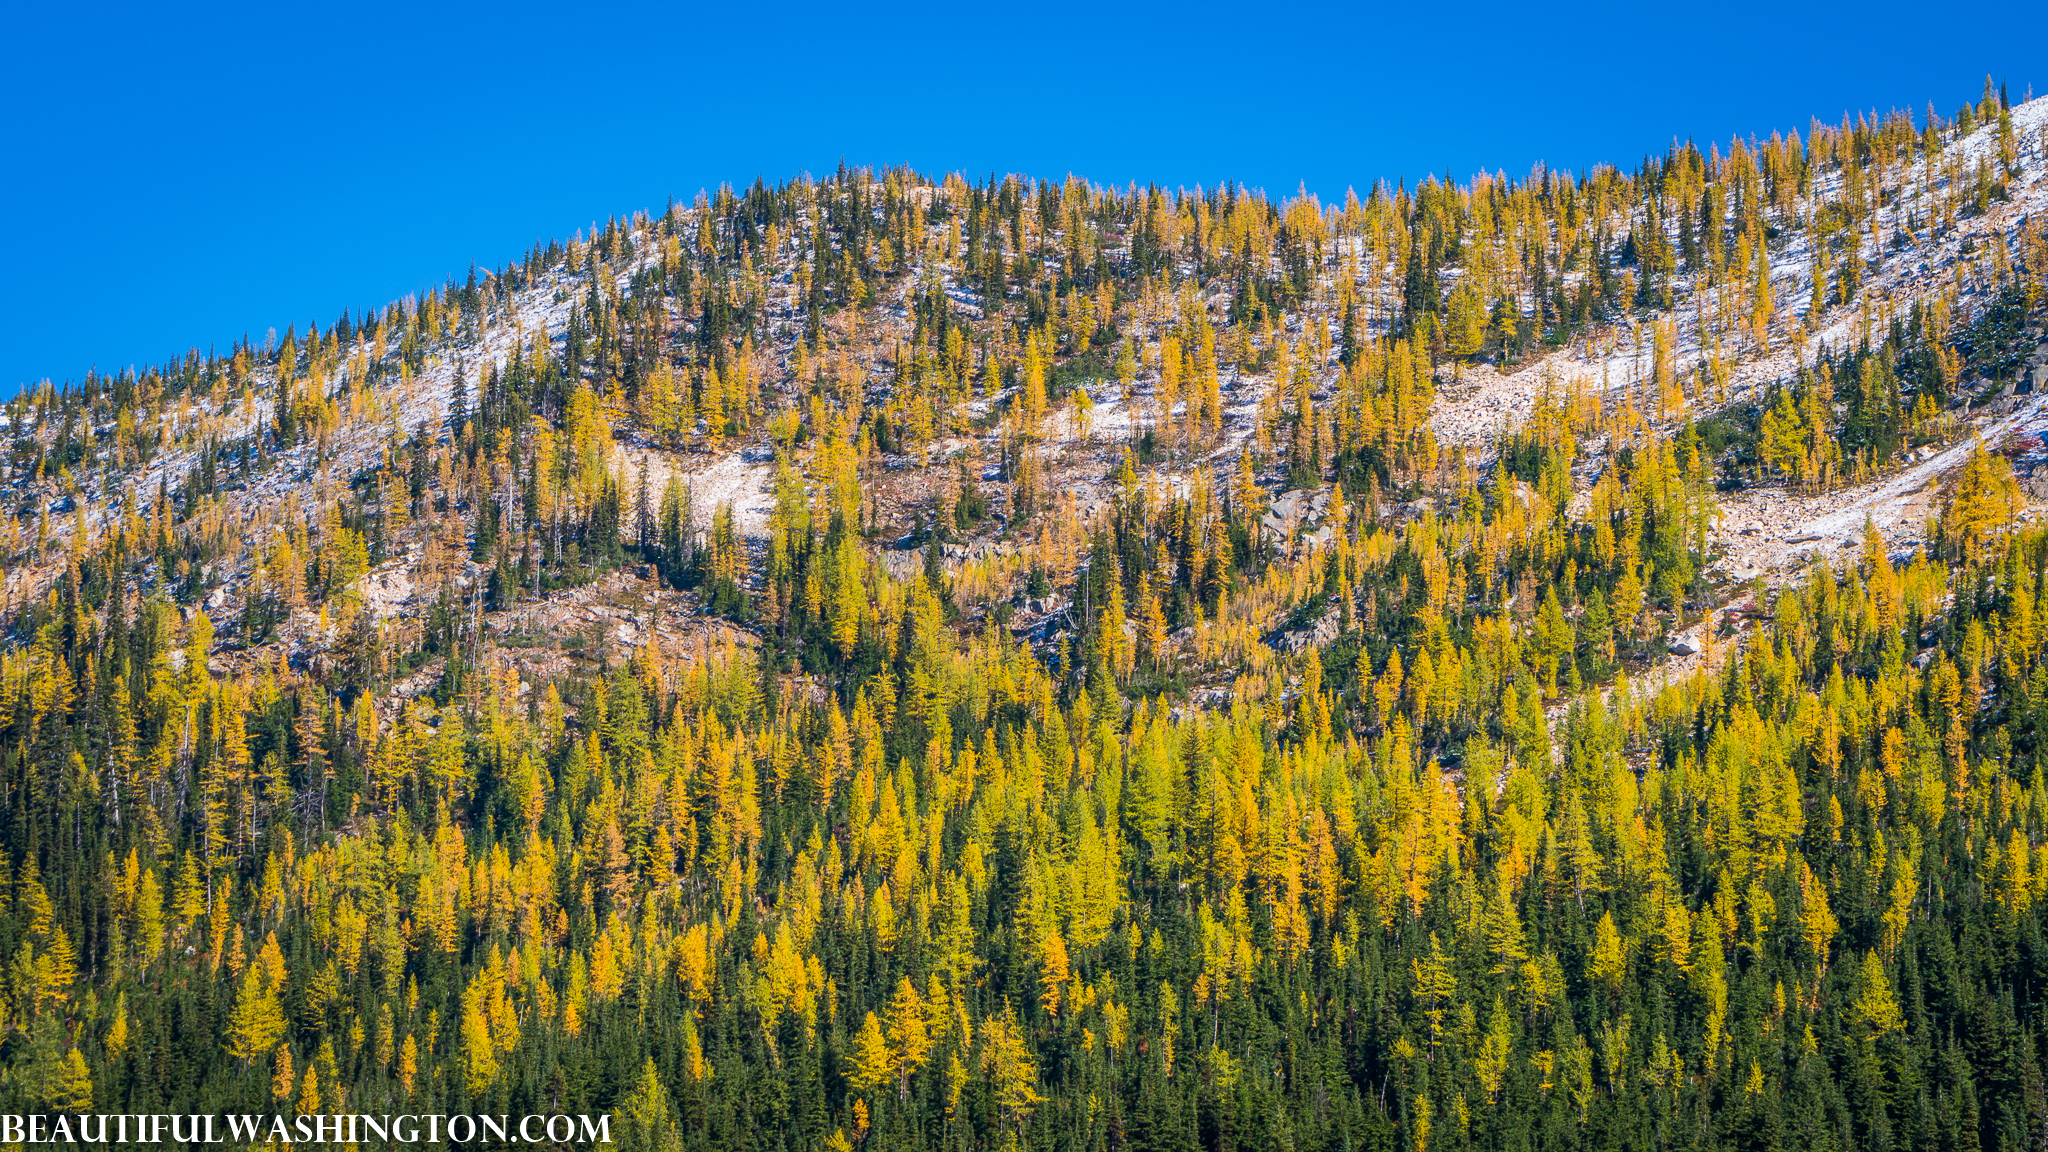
(175, 177)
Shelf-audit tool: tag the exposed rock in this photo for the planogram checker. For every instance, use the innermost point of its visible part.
(1315, 635)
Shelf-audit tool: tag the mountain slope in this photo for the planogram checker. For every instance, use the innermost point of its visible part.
(901, 661)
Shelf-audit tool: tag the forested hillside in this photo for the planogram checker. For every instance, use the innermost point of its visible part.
(907, 661)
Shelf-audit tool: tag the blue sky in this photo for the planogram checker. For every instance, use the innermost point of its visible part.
(178, 178)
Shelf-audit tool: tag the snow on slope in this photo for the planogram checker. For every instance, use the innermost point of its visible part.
(1769, 531)
(1602, 365)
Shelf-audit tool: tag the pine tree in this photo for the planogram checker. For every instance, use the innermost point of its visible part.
(874, 1064)
(258, 1018)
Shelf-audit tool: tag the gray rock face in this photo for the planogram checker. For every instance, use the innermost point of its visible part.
(1319, 633)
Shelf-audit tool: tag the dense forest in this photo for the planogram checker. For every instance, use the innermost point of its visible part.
(970, 813)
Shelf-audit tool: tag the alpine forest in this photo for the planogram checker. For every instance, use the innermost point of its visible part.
(910, 661)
